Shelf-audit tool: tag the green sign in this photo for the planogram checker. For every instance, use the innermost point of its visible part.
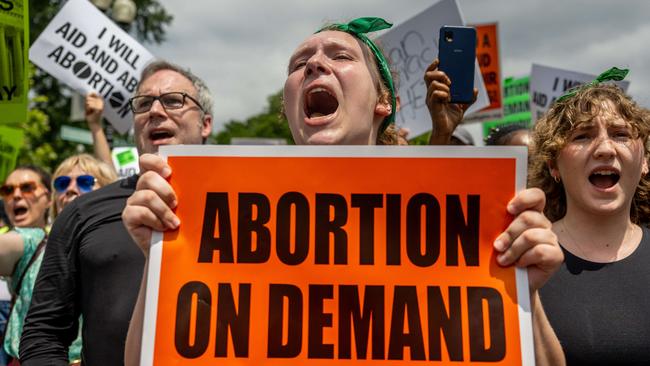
(14, 60)
(11, 139)
(519, 86)
(125, 157)
(516, 104)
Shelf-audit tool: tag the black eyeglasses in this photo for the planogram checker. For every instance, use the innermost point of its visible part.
(26, 188)
(85, 183)
(172, 100)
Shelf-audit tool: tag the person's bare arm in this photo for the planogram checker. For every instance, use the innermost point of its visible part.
(548, 350)
(11, 249)
(133, 346)
(149, 208)
(94, 108)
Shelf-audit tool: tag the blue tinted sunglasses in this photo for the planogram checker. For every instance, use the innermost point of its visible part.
(85, 183)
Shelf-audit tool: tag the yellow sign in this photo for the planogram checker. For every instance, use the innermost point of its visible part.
(14, 45)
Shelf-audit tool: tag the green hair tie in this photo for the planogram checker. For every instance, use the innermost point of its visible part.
(358, 28)
(613, 74)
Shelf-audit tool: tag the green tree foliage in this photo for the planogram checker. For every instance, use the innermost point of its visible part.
(270, 124)
(34, 151)
(50, 107)
(423, 139)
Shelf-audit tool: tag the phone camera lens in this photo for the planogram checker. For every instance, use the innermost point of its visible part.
(449, 36)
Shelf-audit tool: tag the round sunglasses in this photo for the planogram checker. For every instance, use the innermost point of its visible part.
(85, 183)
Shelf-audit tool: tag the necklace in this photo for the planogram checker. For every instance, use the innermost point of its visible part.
(610, 258)
(574, 241)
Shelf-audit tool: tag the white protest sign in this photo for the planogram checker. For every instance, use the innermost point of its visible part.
(87, 51)
(125, 161)
(549, 83)
(411, 47)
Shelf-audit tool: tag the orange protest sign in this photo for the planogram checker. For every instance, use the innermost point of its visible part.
(487, 55)
(289, 256)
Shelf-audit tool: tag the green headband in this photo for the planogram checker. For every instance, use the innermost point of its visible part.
(614, 74)
(358, 28)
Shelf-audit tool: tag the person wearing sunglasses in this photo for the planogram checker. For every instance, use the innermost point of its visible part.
(77, 175)
(26, 197)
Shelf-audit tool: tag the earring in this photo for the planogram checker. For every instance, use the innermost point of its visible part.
(556, 178)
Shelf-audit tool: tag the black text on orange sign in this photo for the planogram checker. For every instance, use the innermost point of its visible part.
(330, 215)
(360, 319)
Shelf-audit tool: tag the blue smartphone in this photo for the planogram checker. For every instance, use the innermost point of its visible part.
(457, 55)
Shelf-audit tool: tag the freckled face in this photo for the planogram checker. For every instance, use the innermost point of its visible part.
(602, 164)
(329, 95)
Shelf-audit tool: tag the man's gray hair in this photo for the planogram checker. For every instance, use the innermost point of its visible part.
(203, 93)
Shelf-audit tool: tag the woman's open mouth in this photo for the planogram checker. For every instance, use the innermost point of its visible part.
(19, 211)
(604, 179)
(320, 103)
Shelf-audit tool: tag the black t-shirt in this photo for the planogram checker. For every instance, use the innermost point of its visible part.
(93, 268)
(601, 311)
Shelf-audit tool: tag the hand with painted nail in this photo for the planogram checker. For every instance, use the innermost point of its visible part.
(529, 241)
(445, 116)
(151, 205)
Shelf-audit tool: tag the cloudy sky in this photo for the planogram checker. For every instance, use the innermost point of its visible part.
(241, 48)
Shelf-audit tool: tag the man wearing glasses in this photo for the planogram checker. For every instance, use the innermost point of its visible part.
(91, 266)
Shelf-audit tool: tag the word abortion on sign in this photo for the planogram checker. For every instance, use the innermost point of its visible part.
(14, 40)
(549, 83)
(412, 46)
(310, 255)
(91, 53)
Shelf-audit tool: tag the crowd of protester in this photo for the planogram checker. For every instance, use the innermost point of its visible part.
(580, 229)
(31, 201)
